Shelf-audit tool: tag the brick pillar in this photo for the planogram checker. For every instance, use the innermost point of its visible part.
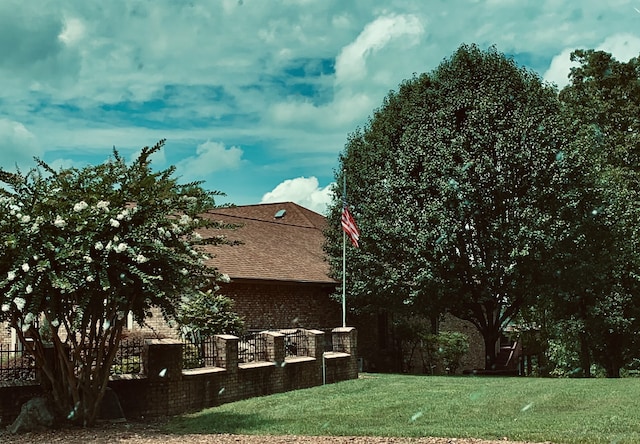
(315, 339)
(162, 359)
(275, 354)
(226, 387)
(227, 352)
(275, 346)
(347, 337)
(162, 364)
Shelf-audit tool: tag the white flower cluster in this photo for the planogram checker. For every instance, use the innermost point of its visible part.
(141, 259)
(82, 205)
(123, 215)
(59, 222)
(103, 205)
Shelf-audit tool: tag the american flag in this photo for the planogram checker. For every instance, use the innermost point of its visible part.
(349, 226)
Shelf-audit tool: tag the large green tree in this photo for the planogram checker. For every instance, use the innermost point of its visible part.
(600, 281)
(81, 248)
(451, 184)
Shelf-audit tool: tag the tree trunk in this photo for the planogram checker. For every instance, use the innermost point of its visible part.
(490, 339)
(585, 355)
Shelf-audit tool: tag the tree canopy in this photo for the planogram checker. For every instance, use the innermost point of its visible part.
(81, 248)
(451, 182)
(597, 293)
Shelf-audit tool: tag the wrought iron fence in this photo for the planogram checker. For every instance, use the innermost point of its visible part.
(16, 365)
(296, 342)
(128, 359)
(335, 343)
(252, 347)
(198, 352)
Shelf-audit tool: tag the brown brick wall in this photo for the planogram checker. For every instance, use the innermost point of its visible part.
(474, 359)
(5, 334)
(268, 305)
(271, 304)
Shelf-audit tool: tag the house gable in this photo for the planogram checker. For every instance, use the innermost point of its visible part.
(285, 248)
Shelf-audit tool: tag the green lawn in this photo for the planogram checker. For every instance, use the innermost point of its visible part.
(535, 409)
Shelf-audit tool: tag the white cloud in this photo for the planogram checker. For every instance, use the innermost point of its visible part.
(305, 191)
(351, 62)
(210, 157)
(17, 145)
(73, 31)
(360, 68)
(559, 68)
(84, 76)
(622, 46)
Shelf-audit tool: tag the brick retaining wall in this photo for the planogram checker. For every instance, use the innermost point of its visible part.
(165, 388)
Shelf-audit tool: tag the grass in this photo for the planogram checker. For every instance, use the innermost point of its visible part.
(533, 409)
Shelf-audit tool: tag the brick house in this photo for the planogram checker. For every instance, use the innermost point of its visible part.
(278, 273)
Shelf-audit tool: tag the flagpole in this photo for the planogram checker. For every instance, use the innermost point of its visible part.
(344, 254)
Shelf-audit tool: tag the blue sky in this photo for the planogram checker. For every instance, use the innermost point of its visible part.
(254, 97)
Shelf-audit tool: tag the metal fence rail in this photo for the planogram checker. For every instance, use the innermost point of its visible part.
(16, 365)
(252, 347)
(128, 359)
(296, 342)
(198, 352)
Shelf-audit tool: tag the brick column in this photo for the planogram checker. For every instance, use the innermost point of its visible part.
(162, 359)
(227, 352)
(275, 354)
(315, 339)
(275, 347)
(347, 337)
(162, 364)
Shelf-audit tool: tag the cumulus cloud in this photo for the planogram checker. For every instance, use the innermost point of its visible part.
(289, 79)
(351, 62)
(622, 46)
(18, 145)
(210, 157)
(559, 68)
(360, 67)
(305, 191)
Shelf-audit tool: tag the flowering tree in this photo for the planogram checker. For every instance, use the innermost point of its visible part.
(81, 248)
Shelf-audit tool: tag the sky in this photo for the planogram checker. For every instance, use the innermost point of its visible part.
(256, 98)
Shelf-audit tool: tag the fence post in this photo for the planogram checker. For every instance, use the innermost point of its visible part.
(275, 346)
(227, 352)
(347, 337)
(315, 339)
(162, 359)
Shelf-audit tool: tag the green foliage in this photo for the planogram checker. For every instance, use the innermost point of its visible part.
(440, 352)
(597, 256)
(452, 346)
(205, 314)
(81, 248)
(451, 185)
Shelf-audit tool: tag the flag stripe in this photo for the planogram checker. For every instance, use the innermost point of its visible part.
(349, 226)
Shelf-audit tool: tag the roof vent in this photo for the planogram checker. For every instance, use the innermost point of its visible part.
(280, 214)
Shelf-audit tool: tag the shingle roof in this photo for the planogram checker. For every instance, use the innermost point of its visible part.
(283, 249)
